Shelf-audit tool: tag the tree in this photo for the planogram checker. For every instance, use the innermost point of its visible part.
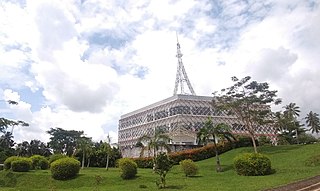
(313, 122)
(214, 133)
(64, 141)
(158, 141)
(162, 166)
(248, 101)
(292, 111)
(108, 150)
(6, 144)
(83, 145)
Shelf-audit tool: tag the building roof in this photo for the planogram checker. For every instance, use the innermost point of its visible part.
(168, 100)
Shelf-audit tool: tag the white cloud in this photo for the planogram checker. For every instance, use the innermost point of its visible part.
(88, 82)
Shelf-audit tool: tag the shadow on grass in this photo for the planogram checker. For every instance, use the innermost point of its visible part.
(277, 149)
(226, 168)
(173, 187)
(195, 176)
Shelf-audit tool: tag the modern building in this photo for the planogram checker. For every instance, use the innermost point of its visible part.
(180, 116)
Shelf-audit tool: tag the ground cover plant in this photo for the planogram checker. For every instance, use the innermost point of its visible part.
(288, 161)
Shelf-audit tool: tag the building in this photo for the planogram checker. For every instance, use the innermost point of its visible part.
(180, 116)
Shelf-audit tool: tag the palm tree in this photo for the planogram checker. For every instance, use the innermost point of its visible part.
(83, 145)
(292, 111)
(159, 140)
(108, 150)
(214, 133)
(156, 142)
(313, 122)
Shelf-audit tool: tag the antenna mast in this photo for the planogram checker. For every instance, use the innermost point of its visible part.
(181, 76)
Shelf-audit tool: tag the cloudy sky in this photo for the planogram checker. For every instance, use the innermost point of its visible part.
(81, 64)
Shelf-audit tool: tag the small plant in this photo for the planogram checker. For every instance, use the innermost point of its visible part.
(8, 161)
(39, 162)
(65, 168)
(128, 168)
(98, 180)
(313, 161)
(252, 164)
(189, 167)
(21, 165)
(162, 166)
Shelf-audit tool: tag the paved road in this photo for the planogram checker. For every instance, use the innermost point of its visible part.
(310, 184)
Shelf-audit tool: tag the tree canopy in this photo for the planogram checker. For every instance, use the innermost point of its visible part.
(249, 101)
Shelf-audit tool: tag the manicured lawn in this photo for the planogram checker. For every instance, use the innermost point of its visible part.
(288, 161)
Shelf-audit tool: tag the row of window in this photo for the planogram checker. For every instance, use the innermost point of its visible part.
(177, 110)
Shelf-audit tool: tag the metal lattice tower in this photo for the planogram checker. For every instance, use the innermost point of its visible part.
(181, 76)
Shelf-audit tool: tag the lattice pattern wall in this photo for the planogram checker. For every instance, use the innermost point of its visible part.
(180, 116)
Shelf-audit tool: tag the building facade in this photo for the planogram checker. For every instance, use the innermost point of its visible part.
(180, 116)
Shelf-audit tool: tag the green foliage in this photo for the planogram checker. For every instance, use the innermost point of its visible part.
(64, 141)
(39, 162)
(21, 164)
(264, 140)
(252, 164)
(128, 168)
(189, 167)
(244, 141)
(196, 154)
(146, 162)
(162, 166)
(307, 139)
(313, 161)
(8, 161)
(55, 157)
(65, 168)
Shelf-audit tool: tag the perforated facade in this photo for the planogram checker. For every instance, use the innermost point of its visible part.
(181, 116)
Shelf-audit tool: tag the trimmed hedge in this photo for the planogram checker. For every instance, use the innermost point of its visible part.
(128, 168)
(21, 164)
(65, 168)
(8, 161)
(189, 167)
(39, 162)
(55, 157)
(196, 154)
(252, 164)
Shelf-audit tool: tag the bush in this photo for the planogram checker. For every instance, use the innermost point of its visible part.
(128, 168)
(55, 157)
(65, 168)
(21, 164)
(313, 161)
(8, 161)
(189, 167)
(39, 162)
(252, 164)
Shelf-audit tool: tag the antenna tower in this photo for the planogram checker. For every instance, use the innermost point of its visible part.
(181, 76)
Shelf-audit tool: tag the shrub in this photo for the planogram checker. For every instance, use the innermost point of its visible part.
(252, 164)
(144, 162)
(55, 157)
(8, 161)
(162, 167)
(128, 168)
(189, 167)
(65, 168)
(21, 164)
(39, 162)
(313, 161)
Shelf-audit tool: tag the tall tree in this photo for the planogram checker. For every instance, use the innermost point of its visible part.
(292, 111)
(84, 144)
(214, 133)
(158, 141)
(64, 141)
(313, 122)
(250, 102)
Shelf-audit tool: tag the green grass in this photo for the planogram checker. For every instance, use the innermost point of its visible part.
(288, 161)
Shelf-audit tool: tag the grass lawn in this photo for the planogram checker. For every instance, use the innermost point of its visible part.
(288, 161)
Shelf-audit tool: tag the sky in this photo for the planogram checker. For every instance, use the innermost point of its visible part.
(81, 64)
